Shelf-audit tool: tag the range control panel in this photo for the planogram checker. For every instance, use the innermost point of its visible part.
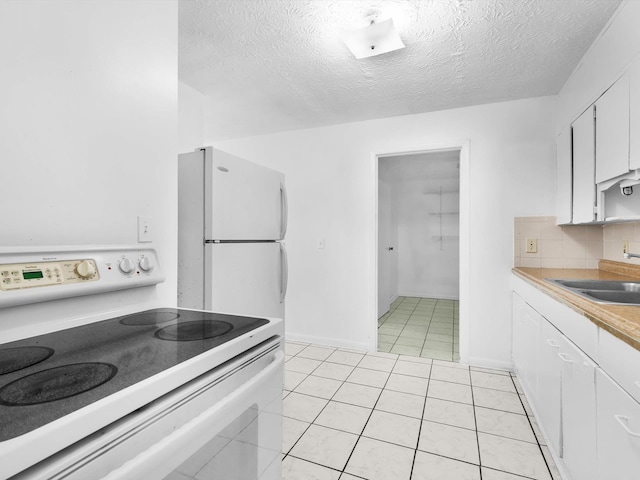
(74, 272)
(29, 275)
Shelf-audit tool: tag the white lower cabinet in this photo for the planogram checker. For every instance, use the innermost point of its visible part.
(588, 415)
(618, 417)
(578, 412)
(549, 384)
(565, 404)
(526, 325)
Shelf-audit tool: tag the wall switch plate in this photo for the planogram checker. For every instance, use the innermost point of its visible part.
(625, 246)
(321, 244)
(144, 229)
(532, 245)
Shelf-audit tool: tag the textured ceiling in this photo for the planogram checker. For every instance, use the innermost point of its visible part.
(274, 65)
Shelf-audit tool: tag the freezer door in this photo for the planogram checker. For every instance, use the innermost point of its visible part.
(244, 201)
(246, 278)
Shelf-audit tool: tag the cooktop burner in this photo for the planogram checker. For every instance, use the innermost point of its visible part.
(61, 372)
(56, 383)
(198, 330)
(152, 317)
(14, 359)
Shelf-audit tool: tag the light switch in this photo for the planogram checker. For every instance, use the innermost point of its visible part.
(321, 244)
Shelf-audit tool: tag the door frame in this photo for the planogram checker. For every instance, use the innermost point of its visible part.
(463, 273)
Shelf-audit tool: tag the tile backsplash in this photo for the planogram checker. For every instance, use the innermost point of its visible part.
(572, 246)
(614, 237)
(566, 246)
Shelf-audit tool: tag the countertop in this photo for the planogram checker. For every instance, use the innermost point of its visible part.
(622, 321)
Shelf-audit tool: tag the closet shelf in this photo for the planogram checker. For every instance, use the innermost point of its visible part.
(443, 238)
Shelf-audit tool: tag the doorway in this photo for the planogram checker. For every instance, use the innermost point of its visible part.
(419, 254)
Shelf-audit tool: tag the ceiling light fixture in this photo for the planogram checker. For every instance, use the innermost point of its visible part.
(374, 39)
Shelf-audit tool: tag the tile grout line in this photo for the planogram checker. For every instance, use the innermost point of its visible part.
(310, 423)
(368, 418)
(384, 388)
(424, 408)
(532, 429)
(475, 421)
(451, 322)
(331, 399)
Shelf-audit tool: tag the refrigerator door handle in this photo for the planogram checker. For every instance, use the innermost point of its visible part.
(284, 210)
(284, 275)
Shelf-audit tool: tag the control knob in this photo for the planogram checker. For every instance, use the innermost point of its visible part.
(145, 264)
(85, 269)
(126, 266)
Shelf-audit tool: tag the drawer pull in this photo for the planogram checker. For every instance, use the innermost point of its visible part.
(622, 420)
(565, 358)
(552, 344)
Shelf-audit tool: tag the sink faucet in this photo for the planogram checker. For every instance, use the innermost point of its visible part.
(630, 255)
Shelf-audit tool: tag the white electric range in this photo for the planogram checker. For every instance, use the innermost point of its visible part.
(125, 391)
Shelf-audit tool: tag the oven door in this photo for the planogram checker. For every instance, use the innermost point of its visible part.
(226, 424)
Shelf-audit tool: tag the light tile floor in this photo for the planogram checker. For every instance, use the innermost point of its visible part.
(421, 327)
(351, 415)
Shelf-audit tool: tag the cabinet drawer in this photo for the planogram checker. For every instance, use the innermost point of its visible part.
(618, 417)
(621, 361)
(577, 327)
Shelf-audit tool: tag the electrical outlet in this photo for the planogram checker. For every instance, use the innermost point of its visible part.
(532, 245)
(144, 229)
(625, 246)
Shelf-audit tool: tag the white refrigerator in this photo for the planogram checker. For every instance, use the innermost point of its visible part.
(232, 218)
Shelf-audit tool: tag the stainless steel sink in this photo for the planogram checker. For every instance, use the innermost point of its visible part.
(603, 291)
(608, 285)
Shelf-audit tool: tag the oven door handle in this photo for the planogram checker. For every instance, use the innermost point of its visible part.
(162, 458)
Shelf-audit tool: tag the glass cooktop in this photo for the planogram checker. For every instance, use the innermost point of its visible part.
(46, 377)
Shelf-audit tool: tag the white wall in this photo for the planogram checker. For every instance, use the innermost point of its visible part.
(427, 267)
(190, 118)
(331, 177)
(605, 61)
(89, 123)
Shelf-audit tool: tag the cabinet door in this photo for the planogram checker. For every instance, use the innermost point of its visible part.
(564, 181)
(634, 115)
(584, 167)
(526, 327)
(618, 431)
(612, 131)
(578, 398)
(549, 382)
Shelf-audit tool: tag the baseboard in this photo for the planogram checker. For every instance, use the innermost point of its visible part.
(427, 295)
(488, 363)
(326, 341)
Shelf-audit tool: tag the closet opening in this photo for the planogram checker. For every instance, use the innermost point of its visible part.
(419, 254)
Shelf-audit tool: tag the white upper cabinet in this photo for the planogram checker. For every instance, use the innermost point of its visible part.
(584, 167)
(634, 114)
(612, 131)
(564, 187)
